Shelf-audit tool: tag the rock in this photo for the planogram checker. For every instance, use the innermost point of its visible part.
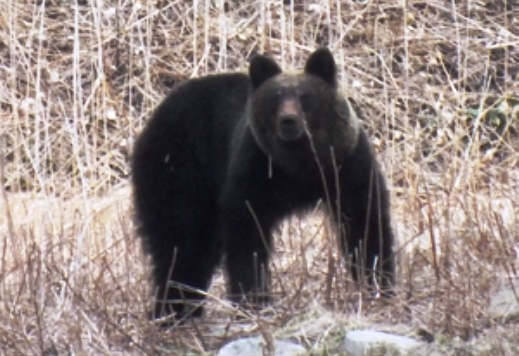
(505, 305)
(371, 343)
(253, 346)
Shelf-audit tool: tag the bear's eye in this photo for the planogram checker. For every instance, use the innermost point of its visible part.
(307, 102)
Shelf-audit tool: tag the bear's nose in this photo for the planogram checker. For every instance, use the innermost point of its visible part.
(289, 128)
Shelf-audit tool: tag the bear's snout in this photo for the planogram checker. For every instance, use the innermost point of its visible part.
(290, 120)
(290, 128)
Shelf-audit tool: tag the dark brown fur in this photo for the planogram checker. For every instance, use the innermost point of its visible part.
(225, 158)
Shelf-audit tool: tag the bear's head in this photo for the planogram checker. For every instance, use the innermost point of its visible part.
(295, 118)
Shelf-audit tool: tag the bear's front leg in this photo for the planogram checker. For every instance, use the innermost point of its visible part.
(248, 243)
(365, 224)
(367, 238)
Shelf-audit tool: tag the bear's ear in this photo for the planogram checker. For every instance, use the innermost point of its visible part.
(322, 64)
(262, 68)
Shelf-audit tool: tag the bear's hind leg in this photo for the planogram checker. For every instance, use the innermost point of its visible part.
(185, 250)
(182, 282)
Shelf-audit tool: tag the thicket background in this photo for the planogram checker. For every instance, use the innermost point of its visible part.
(438, 86)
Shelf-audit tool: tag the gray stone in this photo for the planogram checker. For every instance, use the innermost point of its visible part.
(369, 342)
(254, 346)
(505, 306)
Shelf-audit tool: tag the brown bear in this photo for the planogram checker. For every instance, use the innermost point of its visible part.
(225, 158)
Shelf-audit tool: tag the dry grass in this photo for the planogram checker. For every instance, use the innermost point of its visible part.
(438, 83)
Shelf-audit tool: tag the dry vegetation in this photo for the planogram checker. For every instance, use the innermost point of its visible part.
(438, 84)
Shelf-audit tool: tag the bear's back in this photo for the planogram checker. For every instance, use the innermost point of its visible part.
(191, 129)
(205, 99)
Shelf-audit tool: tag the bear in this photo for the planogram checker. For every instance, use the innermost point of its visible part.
(226, 157)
